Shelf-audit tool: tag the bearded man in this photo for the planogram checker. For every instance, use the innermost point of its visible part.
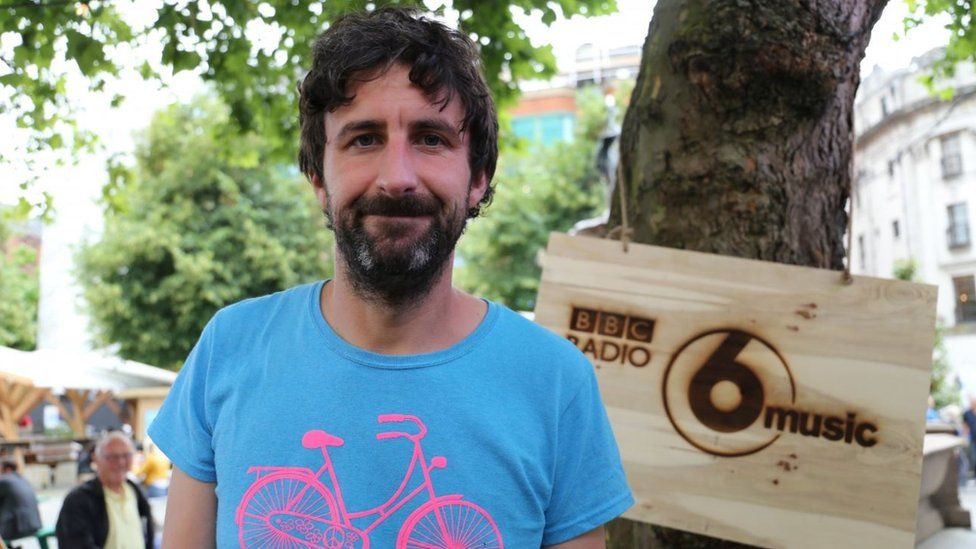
(384, 407)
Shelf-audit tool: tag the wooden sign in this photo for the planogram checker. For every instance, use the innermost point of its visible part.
(758, 402)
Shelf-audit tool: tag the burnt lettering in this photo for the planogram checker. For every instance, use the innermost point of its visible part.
(583, 320)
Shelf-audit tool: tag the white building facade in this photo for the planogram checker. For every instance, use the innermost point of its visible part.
(915, 194)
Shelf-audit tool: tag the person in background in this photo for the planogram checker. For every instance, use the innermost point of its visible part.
(969, 423)
(153, 471)
(85, 471)
(109, 511)
(931, 414)
(19, 515)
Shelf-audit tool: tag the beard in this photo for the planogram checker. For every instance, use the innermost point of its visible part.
(385, 263)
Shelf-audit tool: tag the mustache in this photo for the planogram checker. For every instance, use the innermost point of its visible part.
(405, 206)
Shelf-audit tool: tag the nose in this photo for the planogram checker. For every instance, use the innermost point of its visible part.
(396, 173)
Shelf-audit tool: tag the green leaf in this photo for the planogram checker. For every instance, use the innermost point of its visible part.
(193, 226)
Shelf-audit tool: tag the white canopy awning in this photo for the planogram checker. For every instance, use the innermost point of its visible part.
(60, 369)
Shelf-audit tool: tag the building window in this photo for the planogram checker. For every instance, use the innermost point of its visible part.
(965, 298)
(884, 106)
(958, 232)
(951, 156)
(895, 229)
(545, 128)
(891, 168)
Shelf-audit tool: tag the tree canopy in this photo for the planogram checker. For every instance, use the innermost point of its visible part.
(20, 291)
(539, 190)
(203, 220)
(252, 52)
(960, 22)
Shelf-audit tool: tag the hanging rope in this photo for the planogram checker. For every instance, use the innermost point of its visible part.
(846, 277)
(622, 231)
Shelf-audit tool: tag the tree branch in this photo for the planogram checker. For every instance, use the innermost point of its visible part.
(40, 4)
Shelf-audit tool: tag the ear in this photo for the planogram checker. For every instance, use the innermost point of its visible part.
(479, 185)
(319, 187)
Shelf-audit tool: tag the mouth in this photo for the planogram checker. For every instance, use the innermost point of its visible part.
(396, 219)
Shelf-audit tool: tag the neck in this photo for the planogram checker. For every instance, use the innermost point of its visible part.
(440, 318)
(117, 488)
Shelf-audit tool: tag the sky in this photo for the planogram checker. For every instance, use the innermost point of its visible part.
(627, 27)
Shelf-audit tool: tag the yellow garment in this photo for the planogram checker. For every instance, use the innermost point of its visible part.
(154, 468)
(124, 524)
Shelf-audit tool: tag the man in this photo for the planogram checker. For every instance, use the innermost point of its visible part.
(969, 422)
(384, 405)
(109, 511)
(19, 515)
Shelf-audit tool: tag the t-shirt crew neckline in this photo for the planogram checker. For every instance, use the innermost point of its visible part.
(397, 362)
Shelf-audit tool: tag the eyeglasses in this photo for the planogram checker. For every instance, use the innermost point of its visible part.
(114, 457)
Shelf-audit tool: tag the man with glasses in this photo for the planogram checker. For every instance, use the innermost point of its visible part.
(108, 511)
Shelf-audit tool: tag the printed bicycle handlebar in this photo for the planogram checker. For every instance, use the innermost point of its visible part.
(400, 418)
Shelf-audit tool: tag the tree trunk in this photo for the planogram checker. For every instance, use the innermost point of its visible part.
(738, 141)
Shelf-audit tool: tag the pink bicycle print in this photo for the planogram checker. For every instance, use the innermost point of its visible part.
(290, 507)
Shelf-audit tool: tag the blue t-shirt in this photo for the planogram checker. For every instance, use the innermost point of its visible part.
(499, 440)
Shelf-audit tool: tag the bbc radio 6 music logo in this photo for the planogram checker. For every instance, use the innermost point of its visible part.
(731, 393)
(612, 337)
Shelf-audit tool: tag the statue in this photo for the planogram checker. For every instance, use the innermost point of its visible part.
(607, 160)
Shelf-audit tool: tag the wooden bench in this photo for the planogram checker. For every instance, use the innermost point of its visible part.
(938, 502)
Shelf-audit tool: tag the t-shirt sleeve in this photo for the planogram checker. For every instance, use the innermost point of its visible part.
(589, 485)
(182, 429)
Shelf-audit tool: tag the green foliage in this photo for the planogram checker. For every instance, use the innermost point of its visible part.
(945, 391)
(255, 76)
(61, 431)
(19, 293)
(942, 389)
(203, 220)
(961, 24)
(547, 189)
(905, 270)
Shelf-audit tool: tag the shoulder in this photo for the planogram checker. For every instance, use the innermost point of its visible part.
(252, 310)
(83, 493)
(537, 349)
(253, 318)
(518, 329)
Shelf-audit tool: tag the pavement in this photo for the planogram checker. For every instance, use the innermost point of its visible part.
(957, 538)
(49, 501)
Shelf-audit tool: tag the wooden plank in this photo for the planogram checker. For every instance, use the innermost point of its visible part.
(8, 425)
(100, 398)
(114, 406)
(78, 399)
(759, 402)
(33, 397)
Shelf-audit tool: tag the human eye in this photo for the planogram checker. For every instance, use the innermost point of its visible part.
(432, 140)
(363, 141)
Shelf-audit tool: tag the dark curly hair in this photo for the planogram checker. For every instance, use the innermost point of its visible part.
(443, 62)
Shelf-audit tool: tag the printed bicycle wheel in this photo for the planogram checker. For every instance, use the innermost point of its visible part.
(285, 510)
(450, 524)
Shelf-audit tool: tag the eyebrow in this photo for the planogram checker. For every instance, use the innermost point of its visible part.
(423, 124)
(435, 124)
(359, 126)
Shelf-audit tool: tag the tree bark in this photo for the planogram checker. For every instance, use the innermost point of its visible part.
(739, 134)
(738, 141)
